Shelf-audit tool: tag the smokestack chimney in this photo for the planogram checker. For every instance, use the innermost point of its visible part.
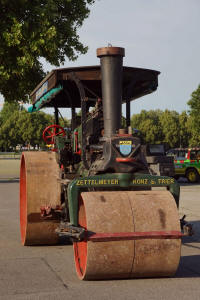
(111, 59)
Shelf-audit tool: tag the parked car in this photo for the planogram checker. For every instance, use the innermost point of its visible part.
(187, 163)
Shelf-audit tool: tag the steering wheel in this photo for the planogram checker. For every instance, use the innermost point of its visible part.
(51, 131)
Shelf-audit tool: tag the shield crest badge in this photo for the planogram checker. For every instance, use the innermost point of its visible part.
(125, 147)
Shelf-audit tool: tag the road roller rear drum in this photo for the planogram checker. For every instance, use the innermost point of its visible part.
(39, 186)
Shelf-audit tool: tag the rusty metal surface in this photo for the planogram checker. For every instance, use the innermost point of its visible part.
(39, 186)
(131, 211)
(122, 236)
(106, 51)
(155, 210)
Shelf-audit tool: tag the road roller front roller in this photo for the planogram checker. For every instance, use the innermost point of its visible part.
(102, 186)
(129, 234)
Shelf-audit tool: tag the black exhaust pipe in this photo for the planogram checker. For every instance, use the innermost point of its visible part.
(111, 59)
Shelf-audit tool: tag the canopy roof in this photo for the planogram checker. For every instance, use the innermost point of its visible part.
(61, 87)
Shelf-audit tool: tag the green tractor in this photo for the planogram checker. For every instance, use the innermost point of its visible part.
(97, 187)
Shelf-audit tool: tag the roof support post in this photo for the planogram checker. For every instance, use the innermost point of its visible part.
(128, 113)
(56, 116)
(80, 87)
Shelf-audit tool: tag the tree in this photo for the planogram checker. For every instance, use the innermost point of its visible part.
(184, 132)
(20, 127)
(30, 30)
(24, 128)
(148, 123)
(7, 110)
(9, 133)
(194, 120)
(31, 125)
(157, 126)
(170, 127)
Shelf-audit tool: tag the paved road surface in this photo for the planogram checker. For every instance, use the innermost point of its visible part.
(9, 168)
(48, 272)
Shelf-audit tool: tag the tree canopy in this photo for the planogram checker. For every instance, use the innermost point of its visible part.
(194, 122)
(18, 127)
(158, 126)
(7, 111)
(148, 122)
(30, 30)
(170, 128)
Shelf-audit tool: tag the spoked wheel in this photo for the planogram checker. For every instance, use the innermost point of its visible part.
(38, 187)
(51, 131)
(123, 212)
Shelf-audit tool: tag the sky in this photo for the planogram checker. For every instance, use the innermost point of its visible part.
(156, 34)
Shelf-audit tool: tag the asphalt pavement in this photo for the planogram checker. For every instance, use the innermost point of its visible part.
(48, 272)
(9, 168)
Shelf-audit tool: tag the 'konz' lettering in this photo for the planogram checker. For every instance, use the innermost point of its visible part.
(140, 181)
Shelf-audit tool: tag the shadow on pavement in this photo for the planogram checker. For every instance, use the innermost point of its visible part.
(9, 180)
(189, 267)
(188, 184)
(195, 238)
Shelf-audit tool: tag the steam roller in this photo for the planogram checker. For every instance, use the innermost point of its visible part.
(101, 186)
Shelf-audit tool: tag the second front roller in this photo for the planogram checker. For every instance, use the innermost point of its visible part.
(111, 219)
